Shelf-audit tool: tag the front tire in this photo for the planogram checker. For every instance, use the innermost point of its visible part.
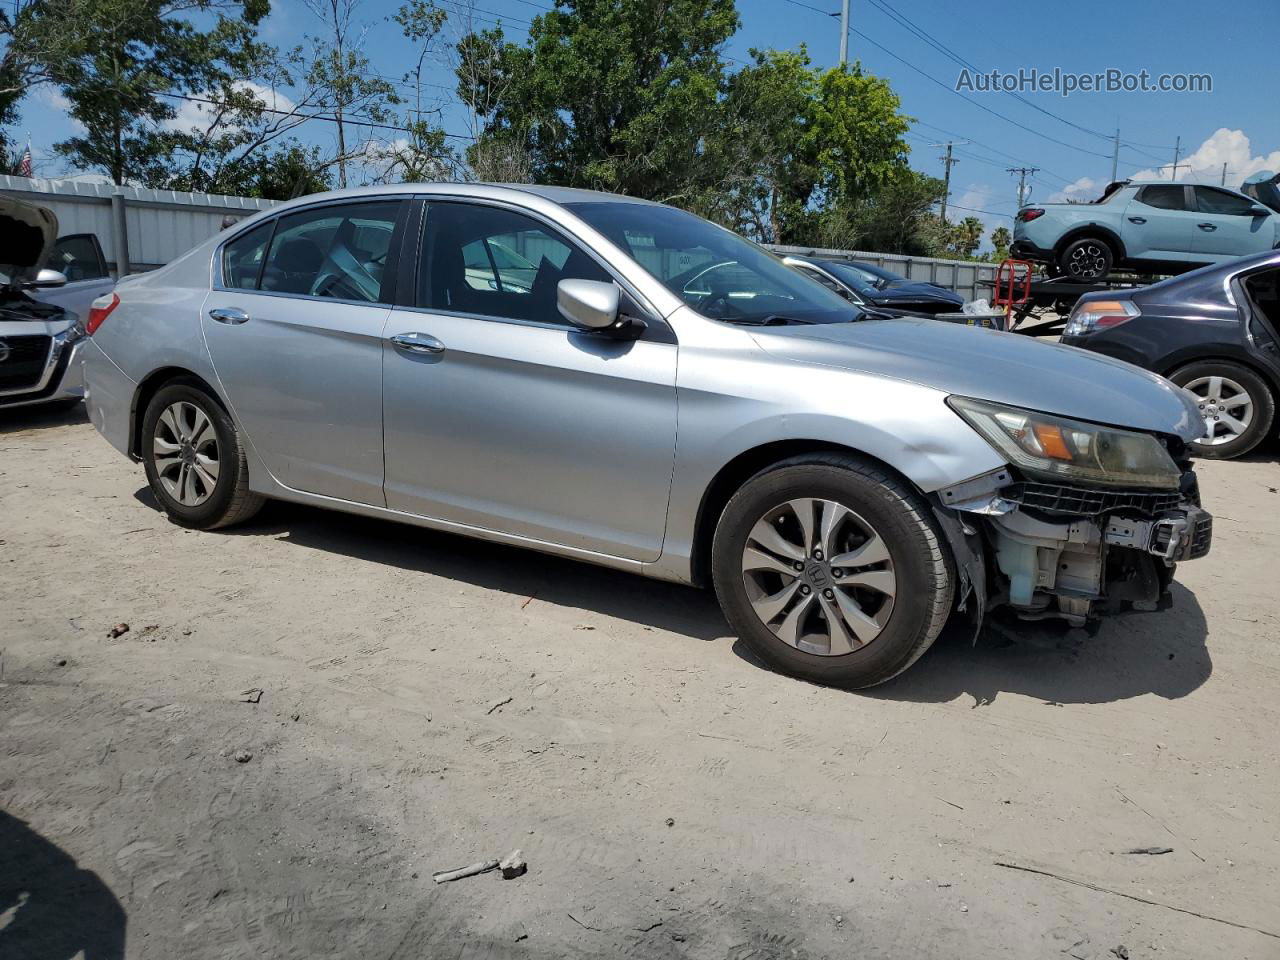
(832, 570)
(195, 458)
(1237, 406)
(1087, 260)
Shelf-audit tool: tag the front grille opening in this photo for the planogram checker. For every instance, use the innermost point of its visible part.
(1089, 501)
(23, 361)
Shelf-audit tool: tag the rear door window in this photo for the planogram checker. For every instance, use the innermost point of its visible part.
(242, 257)
(338, 251)
(1162, 197)
(1209, 200)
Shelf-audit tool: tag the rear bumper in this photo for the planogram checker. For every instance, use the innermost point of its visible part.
(108, 395)
(1026, 250)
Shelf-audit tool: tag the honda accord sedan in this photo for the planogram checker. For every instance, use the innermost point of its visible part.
(624, 383)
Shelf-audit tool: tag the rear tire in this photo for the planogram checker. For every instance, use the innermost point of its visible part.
(1237, 404)
(874, 587)
(1087, 260)
(195, 458)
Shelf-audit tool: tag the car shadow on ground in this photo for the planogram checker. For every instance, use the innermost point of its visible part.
(49, 906)
(520, 573)
(1131, 655)
(41, 417)
(1161, 653)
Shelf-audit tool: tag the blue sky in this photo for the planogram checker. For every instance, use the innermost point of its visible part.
(1238, 123)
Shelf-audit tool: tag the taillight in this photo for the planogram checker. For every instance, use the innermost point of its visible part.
(1029, 214)
(99, 310)
(1090, 316)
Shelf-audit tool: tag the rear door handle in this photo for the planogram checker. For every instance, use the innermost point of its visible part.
(1137, 219)
(232, 315)
(418, 343)
(1207, 226)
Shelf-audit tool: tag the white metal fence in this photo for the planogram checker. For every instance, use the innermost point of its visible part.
(971, 280)
(152, 227)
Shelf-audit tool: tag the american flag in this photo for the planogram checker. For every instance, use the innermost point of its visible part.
(24, 166)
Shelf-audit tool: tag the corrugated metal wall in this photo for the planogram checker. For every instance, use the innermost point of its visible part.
(160, 224)
(971, 280)
(163, 224)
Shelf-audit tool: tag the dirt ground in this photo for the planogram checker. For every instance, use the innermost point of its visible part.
(429, 701)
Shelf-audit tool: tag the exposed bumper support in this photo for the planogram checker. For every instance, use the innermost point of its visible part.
(1054, 564)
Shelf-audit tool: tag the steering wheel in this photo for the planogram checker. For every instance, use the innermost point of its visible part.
(713, 298)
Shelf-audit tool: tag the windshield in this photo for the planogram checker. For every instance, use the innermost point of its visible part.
(862, 280)
(714, 271)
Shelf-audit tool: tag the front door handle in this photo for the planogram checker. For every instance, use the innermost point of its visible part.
(1137, 219)
(232, 315)
(1207, 226)
(418, 343)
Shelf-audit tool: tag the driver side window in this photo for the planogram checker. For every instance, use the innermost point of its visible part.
(335, 251)
(497, 263)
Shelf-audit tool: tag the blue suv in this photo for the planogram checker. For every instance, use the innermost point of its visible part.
(1145, 226)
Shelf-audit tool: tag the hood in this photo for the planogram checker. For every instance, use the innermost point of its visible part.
(1002, 367)
(27, 234)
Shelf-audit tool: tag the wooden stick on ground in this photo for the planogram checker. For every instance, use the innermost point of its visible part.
(484, 866)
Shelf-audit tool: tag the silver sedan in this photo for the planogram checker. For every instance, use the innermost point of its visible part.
(624, 383)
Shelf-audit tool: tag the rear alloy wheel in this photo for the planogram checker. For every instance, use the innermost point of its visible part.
(195, 458)
(831, 570)
(1236, 405)
(1087, 260)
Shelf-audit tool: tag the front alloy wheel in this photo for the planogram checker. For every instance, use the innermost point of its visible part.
(832, 570)
(819, 576)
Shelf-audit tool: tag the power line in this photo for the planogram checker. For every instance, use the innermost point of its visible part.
(949, 89)
(354, 119)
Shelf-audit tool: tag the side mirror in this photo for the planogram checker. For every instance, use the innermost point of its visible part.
(591, 304)
(47, 278)
(1258, 210)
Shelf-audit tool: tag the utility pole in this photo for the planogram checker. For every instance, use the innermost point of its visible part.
(1115, 157)
(947, 163)
(844, 33)
(1023, 173)
(1177, 149)
(1224, 174)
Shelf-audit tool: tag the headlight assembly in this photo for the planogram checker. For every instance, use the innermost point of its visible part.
(1048, 445)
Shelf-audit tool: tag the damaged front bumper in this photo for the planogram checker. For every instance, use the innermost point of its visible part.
(1051, 550)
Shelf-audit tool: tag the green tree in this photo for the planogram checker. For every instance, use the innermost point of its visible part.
(606, 93)
(893, 218)
(757, 164)
(345, 82)
(1001, 239)
(423, 154)
(122, 75)
(966, 237)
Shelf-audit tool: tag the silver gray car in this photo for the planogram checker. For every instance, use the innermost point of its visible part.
(624, 383)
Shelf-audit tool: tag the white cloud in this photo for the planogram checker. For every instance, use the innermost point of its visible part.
(987, 199)
(1084, 189)
(193, 116)
(1231, 147)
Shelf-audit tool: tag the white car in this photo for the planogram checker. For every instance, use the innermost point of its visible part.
(41, 309)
